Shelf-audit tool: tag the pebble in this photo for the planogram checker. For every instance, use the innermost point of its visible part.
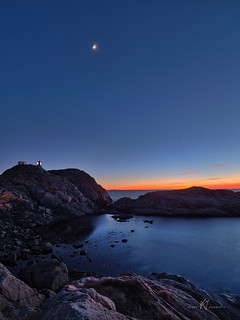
(77, 245)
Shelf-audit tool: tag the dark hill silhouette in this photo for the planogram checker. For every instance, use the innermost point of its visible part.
(62, 193)
(194, 201)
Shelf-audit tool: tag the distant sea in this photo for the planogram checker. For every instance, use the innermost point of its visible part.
(134, 194)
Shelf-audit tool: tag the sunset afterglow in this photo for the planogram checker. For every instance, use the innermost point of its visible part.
(225, 184)
(109, 109)
(156, 108)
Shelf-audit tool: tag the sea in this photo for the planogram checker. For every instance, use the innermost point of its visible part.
(206, 251)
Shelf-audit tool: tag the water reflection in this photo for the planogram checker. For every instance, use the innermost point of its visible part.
(206, 251)
(67, 231)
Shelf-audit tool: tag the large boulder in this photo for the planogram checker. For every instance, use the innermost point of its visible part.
(15, 293)
(194, 201)
(133, 297)
(80, 304)
(46, 274)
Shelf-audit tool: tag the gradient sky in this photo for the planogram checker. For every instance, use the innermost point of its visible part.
(156, 106)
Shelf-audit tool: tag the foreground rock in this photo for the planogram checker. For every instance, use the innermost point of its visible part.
(195, 201)
(233, 299)
(47, 274)
(14, 293)
(84, 304)
(126, 297)
(132, 297)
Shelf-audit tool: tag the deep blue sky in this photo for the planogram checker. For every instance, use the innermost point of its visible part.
(158, 101)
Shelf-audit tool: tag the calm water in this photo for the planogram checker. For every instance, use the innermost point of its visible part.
(206, 251)
(133, 194)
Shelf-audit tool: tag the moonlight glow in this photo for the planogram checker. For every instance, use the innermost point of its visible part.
(95, 46)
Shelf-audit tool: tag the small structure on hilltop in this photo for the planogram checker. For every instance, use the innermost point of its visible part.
(39, 163)
(22, 163)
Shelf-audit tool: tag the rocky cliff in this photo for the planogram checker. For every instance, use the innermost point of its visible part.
(194, 201)
(85, 184)
(57, 193)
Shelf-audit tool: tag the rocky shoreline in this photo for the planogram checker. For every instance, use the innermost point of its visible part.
(33, 201)
(47, 294)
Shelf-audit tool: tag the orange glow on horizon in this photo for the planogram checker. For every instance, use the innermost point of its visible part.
(175, 185)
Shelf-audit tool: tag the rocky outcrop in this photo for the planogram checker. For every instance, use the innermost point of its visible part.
(133, 297)
(14, 293)
(85, 184)
(32, 199)
(56, 194)
(195, 201)
(46, 274)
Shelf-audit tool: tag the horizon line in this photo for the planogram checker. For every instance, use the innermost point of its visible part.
(168, 189)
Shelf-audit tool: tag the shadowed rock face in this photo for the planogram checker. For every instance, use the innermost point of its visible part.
(47, 274)
(61, 193)
(133, 297)
(14, 293)
(195, 201)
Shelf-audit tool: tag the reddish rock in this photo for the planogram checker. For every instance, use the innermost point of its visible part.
(132, 297)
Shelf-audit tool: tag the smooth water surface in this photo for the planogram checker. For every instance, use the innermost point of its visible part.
(206, 250)
(133, 194)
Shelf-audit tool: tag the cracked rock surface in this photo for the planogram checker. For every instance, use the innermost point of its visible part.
(133, 297)
(14, 293)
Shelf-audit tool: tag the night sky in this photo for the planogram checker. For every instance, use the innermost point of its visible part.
(157, 105)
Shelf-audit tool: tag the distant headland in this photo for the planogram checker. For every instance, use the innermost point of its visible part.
(190, 202)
